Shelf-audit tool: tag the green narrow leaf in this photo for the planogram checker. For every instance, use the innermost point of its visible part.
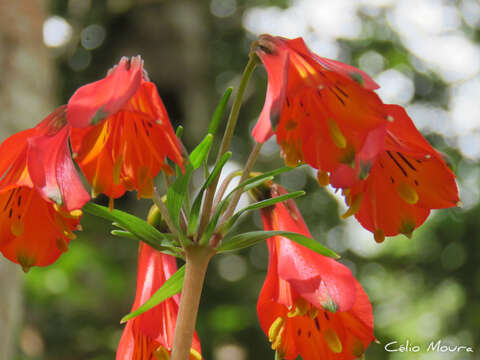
(219, 111)
(245, 240)
(134, 225)
(170, 250)
(259, 205)
(200, 152)
(169, 288)
(195, 211)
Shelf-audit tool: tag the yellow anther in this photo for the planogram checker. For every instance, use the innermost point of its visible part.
(354, 206)
(278, 340)
(333, 341)
(195, 355)
(275, 329)
(323, 178)
(76, 213)
(61, 244)
(336, 134)
(17, 228)
(161, 354)
(69, 235)
(379, 236)
(300, 309)
(390, 118)
(291, 153)
(407, 193)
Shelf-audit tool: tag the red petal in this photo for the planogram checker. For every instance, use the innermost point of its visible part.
(12, 160)
(52, 171)
(129, 148)
(315, 277)
(276, 64)
(93, 102)
(145, 333)
(32, 231)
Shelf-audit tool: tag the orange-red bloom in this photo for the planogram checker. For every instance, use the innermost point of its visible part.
(150, 335)
(40, 193)
(406, 180)
(310, 305)
(121, 131)
(323, 112)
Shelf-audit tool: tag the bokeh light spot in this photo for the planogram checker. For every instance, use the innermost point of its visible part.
(56, 31)
(93, 36)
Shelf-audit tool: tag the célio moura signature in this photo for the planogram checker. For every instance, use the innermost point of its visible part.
(433, 346)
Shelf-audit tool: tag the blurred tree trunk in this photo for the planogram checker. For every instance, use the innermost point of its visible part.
(25, 98)
(172, 37)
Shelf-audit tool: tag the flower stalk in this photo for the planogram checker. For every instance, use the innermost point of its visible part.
(197, 259)
(227, 137)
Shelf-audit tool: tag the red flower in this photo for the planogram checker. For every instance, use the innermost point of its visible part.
(40, 193)
(323, 112)
(406, 180)
(310, 305)
(150, 335)
(121, 132)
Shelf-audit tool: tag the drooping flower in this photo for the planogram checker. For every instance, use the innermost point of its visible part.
(323, 112)
(405, 181)
(310, 305)
(40, 193)
(150, 335)
(121, 132)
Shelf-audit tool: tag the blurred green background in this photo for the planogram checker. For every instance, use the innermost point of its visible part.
(424, 54)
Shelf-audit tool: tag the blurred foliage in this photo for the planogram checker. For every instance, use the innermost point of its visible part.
(422, 289)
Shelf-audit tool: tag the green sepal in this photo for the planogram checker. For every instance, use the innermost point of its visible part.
(137, 227)
(179, 131)
(177, 193)
(219, 111)
(197, 203)
(171, 287)
(201, 151)
(245, 240)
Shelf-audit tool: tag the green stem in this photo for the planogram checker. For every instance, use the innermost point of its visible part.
(252, 158)
(227, 138)
(197, 259)
(224, 185)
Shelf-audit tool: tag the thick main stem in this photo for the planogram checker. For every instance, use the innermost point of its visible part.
(227, 137)
(197, 259)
